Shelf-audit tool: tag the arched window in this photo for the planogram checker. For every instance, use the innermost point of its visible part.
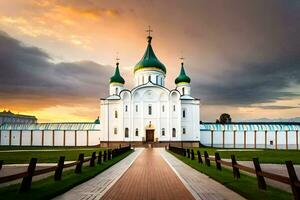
(126, 108)
(183, 130)
(161, 81)
(182, 91)
(163, 132)
(157, 79)
(174, 108)
(136, 108)
(183, 113)
(116, 114)
(115, 131)
(163, 108)
(149, 110)
(126, 132)
(149, 78)
(117, 91)
(136, 132)
(173, 132)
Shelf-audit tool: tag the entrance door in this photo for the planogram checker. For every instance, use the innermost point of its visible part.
(149, 135)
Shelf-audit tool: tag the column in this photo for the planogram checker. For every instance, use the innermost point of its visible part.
(223, 145)
(266, 132)
(87, 138)
(0, 137)
(75, 138)
(286, 140)
(245, 140)
(64, 142)
(9, 138)
(53, 138)
(43, 137)
(212, 138)
(21, 136)
(297, 145)
(31, 137)
(255, 139)
(234, 136)
(276, 141)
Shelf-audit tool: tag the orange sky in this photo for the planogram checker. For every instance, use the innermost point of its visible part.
(220, 42)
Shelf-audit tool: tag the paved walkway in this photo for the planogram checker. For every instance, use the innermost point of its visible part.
(200, 185)
(97, 186)
(150, 177)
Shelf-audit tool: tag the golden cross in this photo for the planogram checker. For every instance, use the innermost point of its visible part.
(149, 30)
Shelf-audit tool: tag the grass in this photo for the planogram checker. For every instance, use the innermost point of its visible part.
(48, 188)
(264, 155)
(245, 186)
(24, 156)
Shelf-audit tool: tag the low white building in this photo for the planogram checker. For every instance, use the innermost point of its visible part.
(150, 112)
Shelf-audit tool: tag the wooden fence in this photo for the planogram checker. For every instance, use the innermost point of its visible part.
(292, 180)
(27, 176)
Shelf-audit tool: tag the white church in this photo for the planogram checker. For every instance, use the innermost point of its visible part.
(150, 112)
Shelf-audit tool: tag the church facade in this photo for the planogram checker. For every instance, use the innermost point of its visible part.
(150, 112)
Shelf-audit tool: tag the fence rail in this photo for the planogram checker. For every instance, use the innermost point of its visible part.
(292, 180)
(27, 176)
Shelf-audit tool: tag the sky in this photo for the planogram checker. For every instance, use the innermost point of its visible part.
(243, 57)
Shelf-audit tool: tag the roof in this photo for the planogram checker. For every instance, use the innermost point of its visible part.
(182, 78)
(250, 126)
(149, 60)
(11, 114)
(117, 78)
(51, 126)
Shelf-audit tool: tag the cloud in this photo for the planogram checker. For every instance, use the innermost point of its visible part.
(277, 107)
(29, 75)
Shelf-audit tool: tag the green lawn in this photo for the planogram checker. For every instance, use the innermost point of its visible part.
(24, 154)
(245, 186)
(265, 156)
(48, 188)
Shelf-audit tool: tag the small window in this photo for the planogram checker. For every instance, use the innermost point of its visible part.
(174, 108)
(150, 110)
(126, 108)
(116, 114)
(136, 108)
(163, 108)
(115, 131)
(137, 132)
(183, 113)
(161, 81)
(183, 130)
(182, 91)
(126, 132)
(117, 91)
(149, 78)
(163, 132)
(156, 79)
(173, 132)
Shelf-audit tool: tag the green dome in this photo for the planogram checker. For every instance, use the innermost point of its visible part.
(182, 78)
(149, 59)
(117, 78)
(97, 121)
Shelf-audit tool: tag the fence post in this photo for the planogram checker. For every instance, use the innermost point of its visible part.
(184, 152)
(206, 157)
(235, 170)
(192, 155)
(26, 182)
(260, 179)
(100, 157)
(199, 157)
(59, 168)
(293, 179)
(1, 163)
(79, 164)
(188, 153)
(104, 156)
(218, 159)
(93, 158)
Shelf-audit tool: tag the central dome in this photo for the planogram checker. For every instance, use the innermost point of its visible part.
(149, 60)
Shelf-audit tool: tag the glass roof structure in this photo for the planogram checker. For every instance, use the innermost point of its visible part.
(250, 127)
(51, 126)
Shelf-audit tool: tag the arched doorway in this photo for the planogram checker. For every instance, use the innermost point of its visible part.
(150, 132)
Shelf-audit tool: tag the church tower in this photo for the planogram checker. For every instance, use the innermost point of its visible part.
(149, 68)
(116, 82)
(183, 82)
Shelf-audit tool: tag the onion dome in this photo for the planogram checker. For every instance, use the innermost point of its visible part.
(182, 78)
(117, 78)
(149, 60)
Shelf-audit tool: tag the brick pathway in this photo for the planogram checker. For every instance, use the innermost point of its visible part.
(149, 177)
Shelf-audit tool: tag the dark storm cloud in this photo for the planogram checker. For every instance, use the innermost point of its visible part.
(29, 72)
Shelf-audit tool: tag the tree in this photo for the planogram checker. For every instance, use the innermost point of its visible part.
(225, 118)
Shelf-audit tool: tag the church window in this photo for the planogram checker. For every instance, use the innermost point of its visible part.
(137, 132)
(126, 132)
(116, 114)
(136, 108)
(116, 91)
(126, 108)
(161, 81)
(182, 91)
(173, 132)
(163, 108)
(183, 130)
(115, 131)
(163, 132)
(149, 78)
(174, 108)
(156, 79)
(183, 113)
(150, 110)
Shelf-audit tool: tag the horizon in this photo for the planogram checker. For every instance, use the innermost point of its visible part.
(57, 56)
